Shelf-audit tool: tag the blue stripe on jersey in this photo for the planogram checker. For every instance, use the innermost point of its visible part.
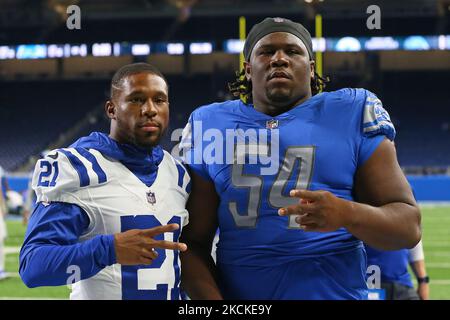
(78, 166)
(188, 187)
(175, 294)
(370, 124)
(181, 173)
(95, 166)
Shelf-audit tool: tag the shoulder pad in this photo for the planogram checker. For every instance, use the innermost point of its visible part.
(376, 120)
(64, 171)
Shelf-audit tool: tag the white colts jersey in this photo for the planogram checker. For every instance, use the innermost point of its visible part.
(116, 201)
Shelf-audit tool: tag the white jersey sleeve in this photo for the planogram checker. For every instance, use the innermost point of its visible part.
(65, 175)
(416, 253)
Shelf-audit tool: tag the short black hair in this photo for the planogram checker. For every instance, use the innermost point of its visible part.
(130, 69)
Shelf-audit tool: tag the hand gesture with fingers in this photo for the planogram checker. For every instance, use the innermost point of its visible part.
(137, 246)
(319, 211)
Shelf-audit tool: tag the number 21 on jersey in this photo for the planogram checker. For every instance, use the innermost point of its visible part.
(159, 280)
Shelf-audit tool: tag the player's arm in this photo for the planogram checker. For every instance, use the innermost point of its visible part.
(386, 215)
(389, 219)
(51, 246)
(199, 270)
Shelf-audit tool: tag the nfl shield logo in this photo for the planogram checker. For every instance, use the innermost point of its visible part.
(151, 197)
(271, 124)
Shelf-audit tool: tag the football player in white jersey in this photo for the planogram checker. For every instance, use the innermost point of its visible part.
(110, 209)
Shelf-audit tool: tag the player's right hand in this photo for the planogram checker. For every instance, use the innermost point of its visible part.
(137, 246)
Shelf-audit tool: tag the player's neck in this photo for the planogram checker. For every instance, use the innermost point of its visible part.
(274, 108)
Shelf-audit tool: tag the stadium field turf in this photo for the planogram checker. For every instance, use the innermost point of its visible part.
(436, 241)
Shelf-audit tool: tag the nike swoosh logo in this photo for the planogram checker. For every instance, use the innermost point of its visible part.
(53, 156)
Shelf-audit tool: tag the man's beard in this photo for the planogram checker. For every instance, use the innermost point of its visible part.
(279, 95)
(147, 143)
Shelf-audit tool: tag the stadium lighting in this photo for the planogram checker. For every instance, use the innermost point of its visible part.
(116, 49)
(101, 49)
(76, 50)
(319, 44)
(416, 43)
(7, 52)
(140, 49)
(234, 46)
(31, 51)
(382, 43)
(175, 48)
(348, 44)
(55, 51)
(200, 48)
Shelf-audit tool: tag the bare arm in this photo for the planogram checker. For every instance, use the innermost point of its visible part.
(418, 267)
(198, 276)
(423, 288)
(390, 219)
(386, 215)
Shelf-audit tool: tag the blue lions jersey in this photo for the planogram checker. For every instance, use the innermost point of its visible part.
(393, 265)
(254, 160)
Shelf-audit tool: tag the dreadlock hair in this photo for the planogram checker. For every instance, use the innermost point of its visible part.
(131, 69)
(241, 86)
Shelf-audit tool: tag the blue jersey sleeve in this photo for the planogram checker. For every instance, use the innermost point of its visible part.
(52, 245)
(368, 147)
(376, 126)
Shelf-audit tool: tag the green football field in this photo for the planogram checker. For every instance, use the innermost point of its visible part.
(436, 241)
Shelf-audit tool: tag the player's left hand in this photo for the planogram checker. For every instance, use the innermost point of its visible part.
(319, 211)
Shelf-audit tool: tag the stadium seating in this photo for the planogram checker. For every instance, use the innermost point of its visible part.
(419, 107)
(34, 114)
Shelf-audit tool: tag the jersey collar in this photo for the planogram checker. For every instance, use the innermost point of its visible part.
(142, 162)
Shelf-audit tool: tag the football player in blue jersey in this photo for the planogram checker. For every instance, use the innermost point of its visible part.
(395, 278)
(310, 175)
(110, 208)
